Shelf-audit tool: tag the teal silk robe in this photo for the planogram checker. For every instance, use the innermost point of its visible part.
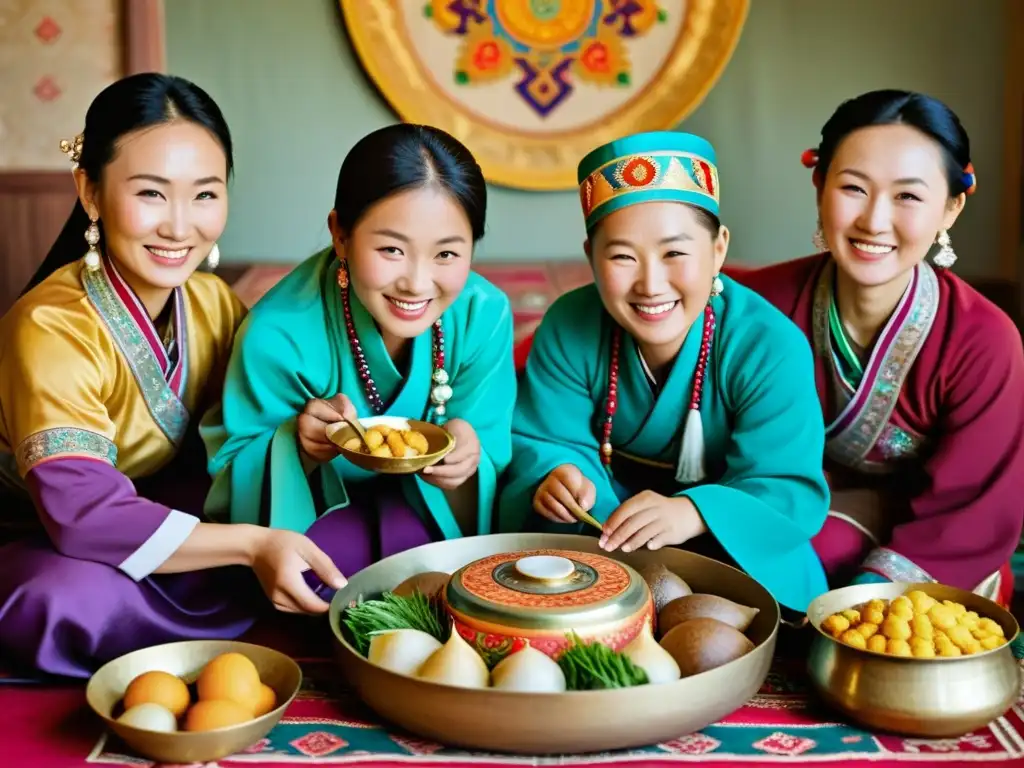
(766, 495)
(293, 347)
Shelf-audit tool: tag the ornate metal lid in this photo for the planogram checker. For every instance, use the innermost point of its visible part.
(547, 589)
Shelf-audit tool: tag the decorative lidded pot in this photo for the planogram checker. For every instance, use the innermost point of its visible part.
(502, 602)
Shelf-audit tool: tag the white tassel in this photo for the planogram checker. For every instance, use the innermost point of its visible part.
(690, 468)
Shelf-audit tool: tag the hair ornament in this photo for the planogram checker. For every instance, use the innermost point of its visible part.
(809, 158)
(969, 179)
(73, 149)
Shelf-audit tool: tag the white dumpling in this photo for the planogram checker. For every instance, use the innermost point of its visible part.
(402, 650)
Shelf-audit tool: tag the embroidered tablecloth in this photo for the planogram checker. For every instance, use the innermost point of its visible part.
(50, 727)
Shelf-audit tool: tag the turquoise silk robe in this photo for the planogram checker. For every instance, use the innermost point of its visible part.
(294, 347)
(766, 494)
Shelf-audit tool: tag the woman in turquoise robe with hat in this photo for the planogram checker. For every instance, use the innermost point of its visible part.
(387, 321)
(674, 405)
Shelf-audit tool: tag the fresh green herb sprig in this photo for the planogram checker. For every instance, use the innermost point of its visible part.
(415, 611)
(594, 666)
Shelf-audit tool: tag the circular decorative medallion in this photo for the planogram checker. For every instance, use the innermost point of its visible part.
(531, 86)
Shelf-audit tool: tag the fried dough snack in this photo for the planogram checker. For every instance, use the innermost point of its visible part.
(389, 443)
(917, 625)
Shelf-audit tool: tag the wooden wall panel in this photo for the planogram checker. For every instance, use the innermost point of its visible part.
(33, 209)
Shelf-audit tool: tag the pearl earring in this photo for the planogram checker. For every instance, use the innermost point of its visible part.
(213, 259)
(818, 240)
(717, 286)
(946, 257)
(92, 256)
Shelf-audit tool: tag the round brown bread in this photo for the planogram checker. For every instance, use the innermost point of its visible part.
(665, 585)
(699, 645)
(700, 606)
(429, 583)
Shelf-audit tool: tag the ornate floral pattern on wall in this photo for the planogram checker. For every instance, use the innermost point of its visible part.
(55, 56)
(530, 86)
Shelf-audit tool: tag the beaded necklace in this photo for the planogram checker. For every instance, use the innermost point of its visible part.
(692, 421)
(440, 390)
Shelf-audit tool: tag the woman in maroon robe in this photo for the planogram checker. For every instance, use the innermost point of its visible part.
(921, 378)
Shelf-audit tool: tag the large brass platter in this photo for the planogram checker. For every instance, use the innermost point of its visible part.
(574, 722)
(929, 698)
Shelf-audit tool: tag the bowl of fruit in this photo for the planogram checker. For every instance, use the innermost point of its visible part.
(924, 660)
(194, 701)
(393, 445)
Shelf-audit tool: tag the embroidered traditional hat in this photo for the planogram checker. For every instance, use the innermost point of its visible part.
(648, 167)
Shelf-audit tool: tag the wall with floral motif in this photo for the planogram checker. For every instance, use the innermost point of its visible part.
(55, 56)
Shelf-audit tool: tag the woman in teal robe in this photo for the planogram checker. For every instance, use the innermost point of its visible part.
(388, 321)
(674, 405)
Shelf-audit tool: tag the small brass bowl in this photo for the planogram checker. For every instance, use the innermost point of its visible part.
(186, 660)
(927, 698)
(556, 723)
(439, 444)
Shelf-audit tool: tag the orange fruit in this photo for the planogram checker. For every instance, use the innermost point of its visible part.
(212, 714)
(160, 688)
(230, 677)
(267, 701)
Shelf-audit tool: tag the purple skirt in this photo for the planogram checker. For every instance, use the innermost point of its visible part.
(64, 616)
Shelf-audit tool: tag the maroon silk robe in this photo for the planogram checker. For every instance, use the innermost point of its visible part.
(926, 458)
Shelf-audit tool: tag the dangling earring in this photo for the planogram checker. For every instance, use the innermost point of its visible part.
(946, 257)
(342, 274)
(717, 286)
(213, 258)
(92, 256)
(818, 239)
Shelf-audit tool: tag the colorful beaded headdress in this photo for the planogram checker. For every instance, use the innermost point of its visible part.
(648, 167)
(662, 166)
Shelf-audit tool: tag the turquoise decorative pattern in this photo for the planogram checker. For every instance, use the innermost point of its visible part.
(167, 410)
(897, 444)
(65, 441)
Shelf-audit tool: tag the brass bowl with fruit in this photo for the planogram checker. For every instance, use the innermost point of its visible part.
(194, 701)
(426, 447)
(704, 667)
(917, 681)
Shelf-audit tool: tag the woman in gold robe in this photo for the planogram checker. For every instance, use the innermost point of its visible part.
(107, 364)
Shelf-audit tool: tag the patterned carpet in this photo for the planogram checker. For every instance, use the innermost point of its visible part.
(46, 726)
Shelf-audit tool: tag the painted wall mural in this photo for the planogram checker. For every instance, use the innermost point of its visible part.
(55, 55)
(531, 85)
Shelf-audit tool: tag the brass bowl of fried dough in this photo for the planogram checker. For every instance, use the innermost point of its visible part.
(406, 445)
(936, 697)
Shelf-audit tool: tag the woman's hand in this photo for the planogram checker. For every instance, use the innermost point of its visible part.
(312, 426)
(279, 560)
(564, 488)
(652, 520)
(459, 465)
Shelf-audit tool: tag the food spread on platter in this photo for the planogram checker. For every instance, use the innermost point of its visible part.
(414, 629)
(388, 443)
(915, 625)
(228, 692)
